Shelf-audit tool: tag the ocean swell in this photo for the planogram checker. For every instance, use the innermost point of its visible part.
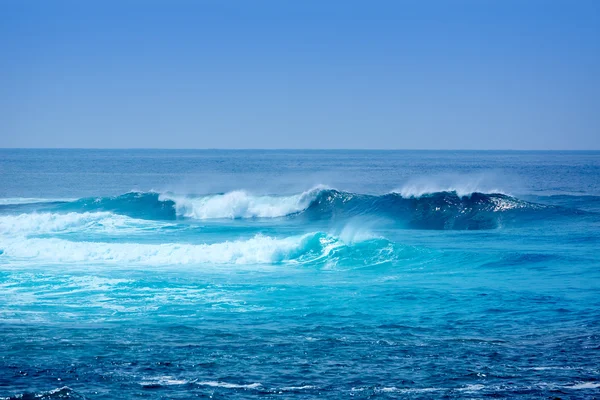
(439, 210)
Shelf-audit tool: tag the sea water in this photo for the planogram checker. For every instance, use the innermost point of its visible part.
(299, 274)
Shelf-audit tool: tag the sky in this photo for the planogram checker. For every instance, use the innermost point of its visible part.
(404, 74)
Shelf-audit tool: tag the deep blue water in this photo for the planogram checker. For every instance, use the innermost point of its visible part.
(299, 274)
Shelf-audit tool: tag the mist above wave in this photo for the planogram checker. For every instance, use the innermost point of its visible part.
(461, 185)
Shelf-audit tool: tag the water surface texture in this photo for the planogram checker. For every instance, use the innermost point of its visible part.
(299, 274)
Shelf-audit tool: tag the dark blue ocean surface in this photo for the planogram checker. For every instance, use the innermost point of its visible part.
(299, 274)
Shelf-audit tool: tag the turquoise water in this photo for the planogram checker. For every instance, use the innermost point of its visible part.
(299, 274)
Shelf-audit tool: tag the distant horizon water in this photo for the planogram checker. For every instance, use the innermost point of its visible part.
(299, 149)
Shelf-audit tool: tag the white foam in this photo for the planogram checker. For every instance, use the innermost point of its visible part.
(95, 282)
(164, 381)
(584, 385)
(293, 388)
(240, 204)
(472, 388)
(58, 390)
(229, 385)
(257, 250)
(43, 223)
(393, 389)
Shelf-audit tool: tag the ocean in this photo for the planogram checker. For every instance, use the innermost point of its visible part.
(176, 274)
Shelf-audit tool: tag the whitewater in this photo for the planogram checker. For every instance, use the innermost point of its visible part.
(299, 274)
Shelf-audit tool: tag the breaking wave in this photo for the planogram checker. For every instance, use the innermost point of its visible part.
(260, 249)
(240, 204)
(438, 210)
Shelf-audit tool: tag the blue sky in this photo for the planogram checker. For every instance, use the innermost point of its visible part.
(458, 74)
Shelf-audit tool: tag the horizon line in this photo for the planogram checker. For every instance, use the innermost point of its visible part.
(287, 149)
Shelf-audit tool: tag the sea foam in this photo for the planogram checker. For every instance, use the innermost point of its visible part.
(259, 249)
(256, 250)
(45, 223)
(241, 204)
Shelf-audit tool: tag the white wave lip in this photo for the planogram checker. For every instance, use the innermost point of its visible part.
(295, 388)
(164, 381)
(257, 250)
(240, 204)
(228, 385)
(46, 223)
(583, 386)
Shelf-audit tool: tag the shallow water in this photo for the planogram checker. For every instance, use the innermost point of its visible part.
(308, 274)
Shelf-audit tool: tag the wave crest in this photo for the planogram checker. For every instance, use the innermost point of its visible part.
(240, 204)
(439, 210)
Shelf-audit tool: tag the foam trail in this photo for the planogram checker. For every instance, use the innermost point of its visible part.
(308, 248)
(45, 223)
(164, 381)
(257, 250)
(583, 386)
(228, 385)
